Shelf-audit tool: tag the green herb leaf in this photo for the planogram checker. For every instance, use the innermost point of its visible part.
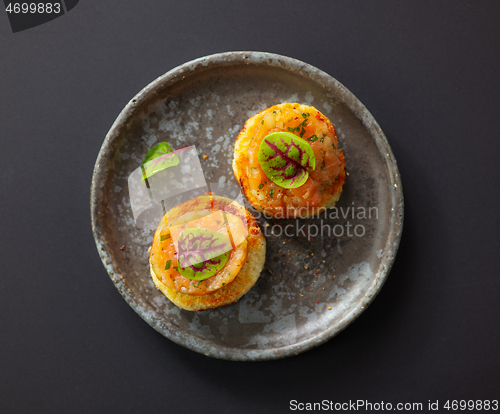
(333, 145)
(164, 237)
(202, 253)
(271, 193)
(167, 266)
(313, 138)
(158, 158)
(286, 159)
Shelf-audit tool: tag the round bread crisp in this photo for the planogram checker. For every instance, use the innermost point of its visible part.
(324, 184)
(231, 292)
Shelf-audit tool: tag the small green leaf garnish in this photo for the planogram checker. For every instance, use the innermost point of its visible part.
(158, 158)
(336, 178)
(164, 237)
(333, 145)
(302, 132)
(167, 265)
(262, 184)
(286, 159)
(202, 253)
(313, 138)
(271, 193)
(262, 122)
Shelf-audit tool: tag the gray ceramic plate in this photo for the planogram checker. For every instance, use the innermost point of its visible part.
(312, 287)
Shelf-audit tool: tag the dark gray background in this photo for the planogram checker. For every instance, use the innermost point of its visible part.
(429, 73)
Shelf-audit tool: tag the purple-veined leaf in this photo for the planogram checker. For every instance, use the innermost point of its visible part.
(202, 253)
(286, 159)
(159, 158)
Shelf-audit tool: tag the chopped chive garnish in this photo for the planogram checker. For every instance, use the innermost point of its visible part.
(313, 138)
(167, 266)
(262, 122)
(333, 145)
(271, 192)
(302, 132)
(164, 237)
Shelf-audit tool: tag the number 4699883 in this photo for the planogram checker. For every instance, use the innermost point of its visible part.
(39, 8)
(476, 405)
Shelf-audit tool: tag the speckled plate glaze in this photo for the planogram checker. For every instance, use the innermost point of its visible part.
(312, 287)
